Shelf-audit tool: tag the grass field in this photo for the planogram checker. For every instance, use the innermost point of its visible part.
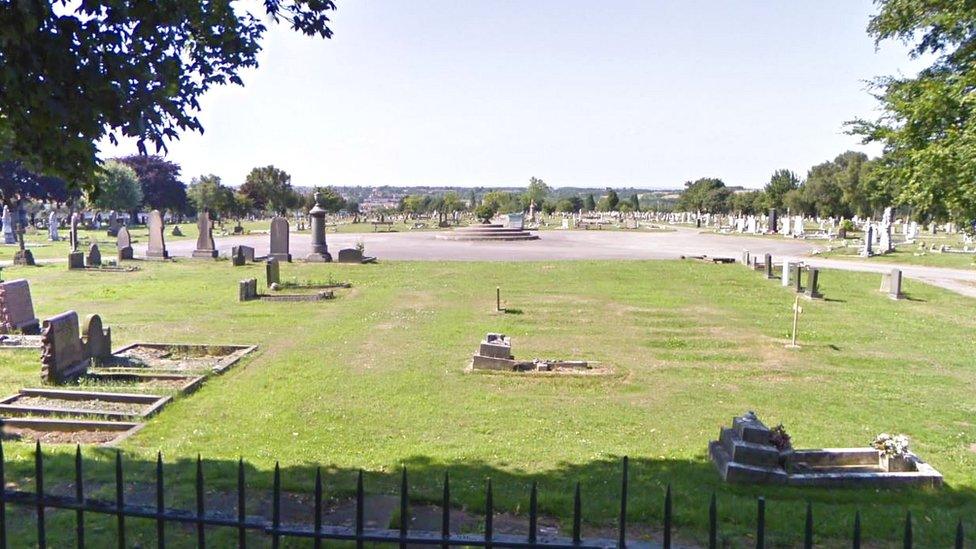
(376, 380)
(910, 254)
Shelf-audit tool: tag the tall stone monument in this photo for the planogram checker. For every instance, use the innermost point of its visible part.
(113, 223)
(280, 245)
(157, 244)
(205, 241)
(320, 250)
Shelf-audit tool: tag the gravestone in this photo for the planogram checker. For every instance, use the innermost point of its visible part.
(280, 239)
(787, 266)
(247, 289)
(894, 284)
(63, 356)
(52, 228)
(9, 235)
(124, 244)
(273, 271)
(773, 221)
(246, 252)
(868, 249)
(797, 278)
(813, 283)
(237, 257)
(350, 255)
(94, 256)
(157, 244)
(73, 232)
(205, 242)
(113, 223)
(97, 340)
(17, 308)
(320, 250)
(769, 267)
(76, 260)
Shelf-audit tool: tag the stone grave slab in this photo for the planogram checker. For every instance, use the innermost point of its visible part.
(17, 308)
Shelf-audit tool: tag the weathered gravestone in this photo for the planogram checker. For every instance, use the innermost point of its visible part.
(157, 244)
(113, 224)
(813, 283)
(246, 252)
(247, 289)
(17, 308)
(97, 340)
(237, 257)
(123, 244)
(868, 249)
(273, 270)
(350, 255)
(73, 232)
(279, 240)
(891, 283)
(787, 266)
(797, 278)
(94, 258)
(768, 263)
(64, 356)
(205, 242)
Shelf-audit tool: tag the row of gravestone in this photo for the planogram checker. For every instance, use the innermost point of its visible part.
(791, 273)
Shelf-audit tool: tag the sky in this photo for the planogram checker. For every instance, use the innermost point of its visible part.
(619, 93)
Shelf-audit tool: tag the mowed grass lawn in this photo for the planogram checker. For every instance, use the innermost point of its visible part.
(376, 380)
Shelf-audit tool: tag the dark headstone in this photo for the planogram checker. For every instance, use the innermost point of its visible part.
(246, 251)
(113, 224)
(97, 340)
(798, 278)
(773, 221)
(272, 268)
(350, 255)
(94, 258)
(769, 266)
(237, 257)
(247, 289)
(205, 242)
(76, 260)
(813, 283)
(280, 246)
(63, 357)
(157, 244)
(73, 231)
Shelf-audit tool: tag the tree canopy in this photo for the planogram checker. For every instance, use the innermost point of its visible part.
(707, 194)
(269, 189)
(928, 122)
(160, 182)
(74, 73)
(118, 188)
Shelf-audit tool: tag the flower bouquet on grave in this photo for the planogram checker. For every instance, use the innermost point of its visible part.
(893, 453)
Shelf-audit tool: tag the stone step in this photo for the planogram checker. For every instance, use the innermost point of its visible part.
(748, 453)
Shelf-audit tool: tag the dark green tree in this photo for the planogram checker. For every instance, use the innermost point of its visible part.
(160, 181)
(780, 183)
(707, 194)
(269, 189)
(589, 204)
(75, 73)
(635, 202)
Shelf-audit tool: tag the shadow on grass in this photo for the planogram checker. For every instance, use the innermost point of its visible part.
(693, 483)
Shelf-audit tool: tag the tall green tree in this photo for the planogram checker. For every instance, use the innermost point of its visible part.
(707, 194)
(208, 193)
(75, 73)
(536, 192)
(589, 204)
(780, 183)
(269, 189)
(928, 121)
(118, 188)
(635, 203)
(160, 181)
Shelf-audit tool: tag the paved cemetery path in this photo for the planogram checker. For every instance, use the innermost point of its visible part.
(594, 244)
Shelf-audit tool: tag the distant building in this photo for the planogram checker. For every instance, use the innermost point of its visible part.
(379, 200)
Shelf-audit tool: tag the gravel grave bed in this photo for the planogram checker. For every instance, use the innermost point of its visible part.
(92, 405)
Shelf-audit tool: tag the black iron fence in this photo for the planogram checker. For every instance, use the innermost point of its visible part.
(39, 501)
